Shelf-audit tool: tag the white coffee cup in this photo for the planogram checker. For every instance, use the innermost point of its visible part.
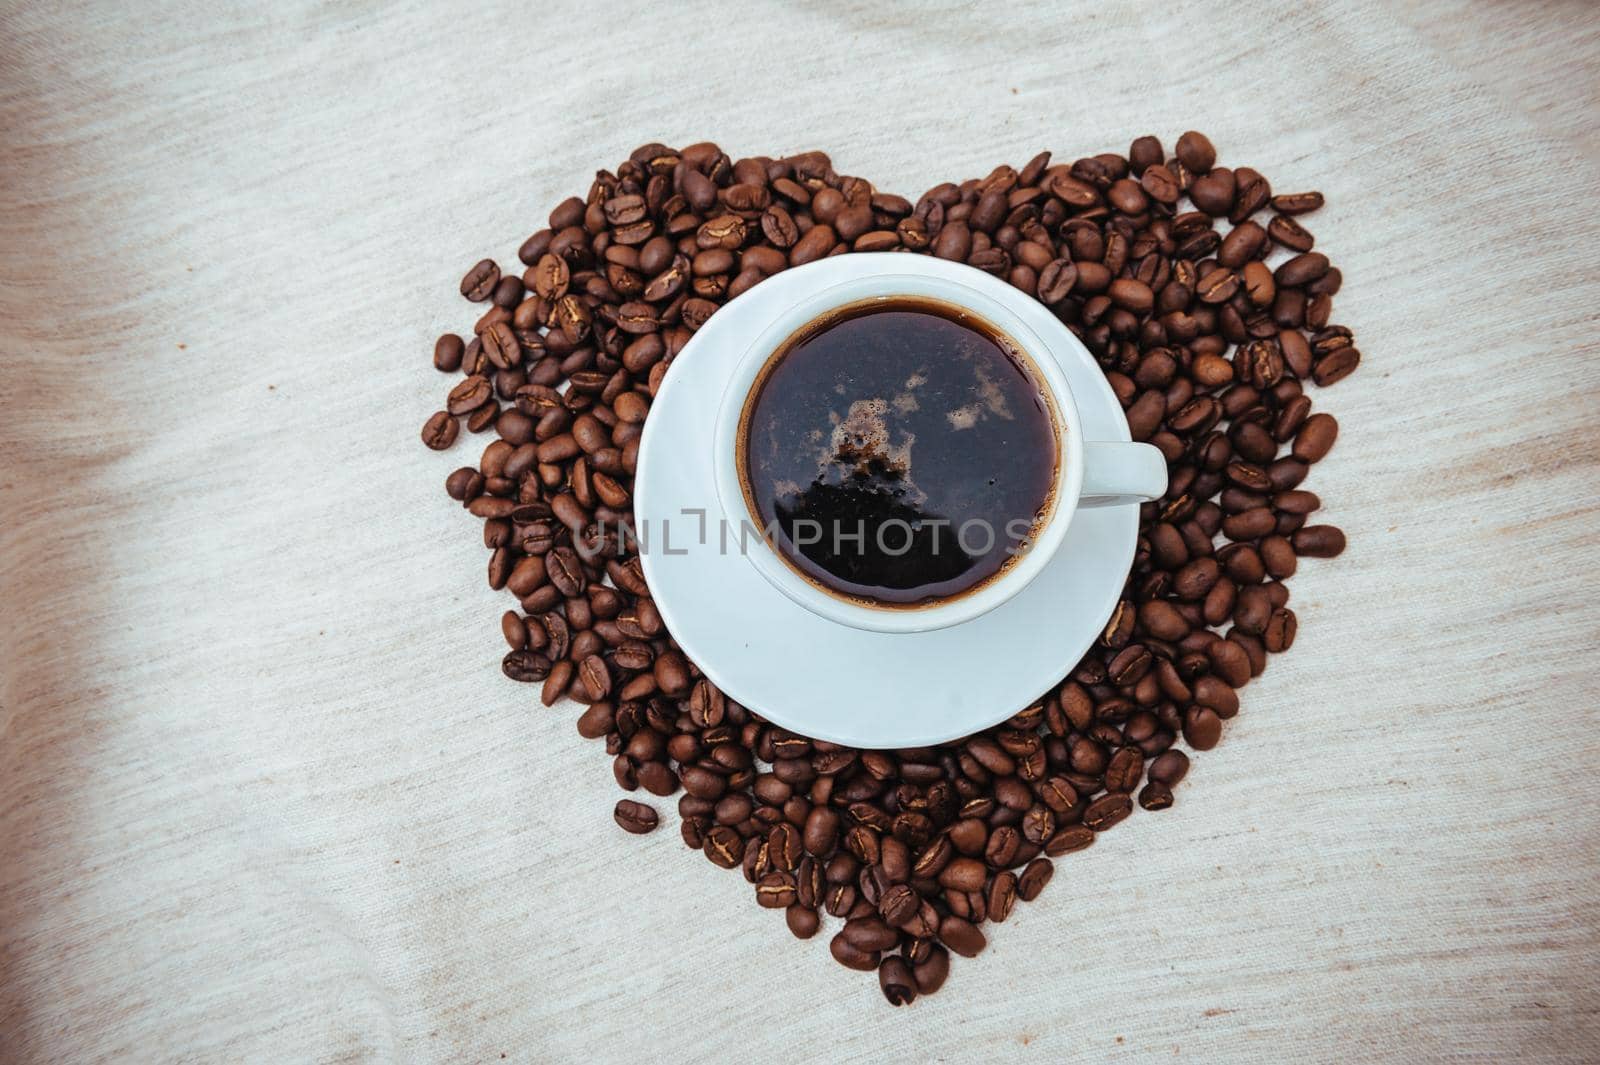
(1088, 473)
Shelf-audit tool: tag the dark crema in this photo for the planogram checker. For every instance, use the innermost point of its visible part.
(900, 451)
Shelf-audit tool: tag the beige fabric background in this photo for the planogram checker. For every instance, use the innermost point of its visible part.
(264, 795)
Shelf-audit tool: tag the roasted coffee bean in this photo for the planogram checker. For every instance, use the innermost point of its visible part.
(1034, 878)
(440, 431)
(597, 720)
(1144, 153)
(1253, 192)
(897, 981)
(1195, 152)
(821, 833)
(1302, 269)
(1335, 366)
(1155, 796)
(1002, 847)
(1318, 541)
(447, 353)
(1213, 193)
(1169, 767)
(899, 904)
(1160, 183)
(595, 677)
(962, 937)
(1289, 233)
(557, 683)
(846, 954)
(1001, 896)
(525, 666)
(1124, 771)
(776, 891)
(565, 570)
(1278, 634)
(1071, 838)
(870, 934)
(1201, 728)
(931, 971)
(1315, 438)
(724, 847)
(1297, 202)
(1106, 811)
(1242, 244)
(480, 281)
(635, 817)
(1218, 286)
(963, 874)
(469, 395)
(802, 921)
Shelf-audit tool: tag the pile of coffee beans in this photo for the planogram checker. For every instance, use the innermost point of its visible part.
(1210, 326)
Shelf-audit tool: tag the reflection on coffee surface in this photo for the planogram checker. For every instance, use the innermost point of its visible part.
(901, 450)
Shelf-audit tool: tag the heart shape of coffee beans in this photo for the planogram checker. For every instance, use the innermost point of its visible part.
(1207, 346)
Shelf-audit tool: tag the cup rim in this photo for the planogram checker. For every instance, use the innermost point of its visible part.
(888, 286)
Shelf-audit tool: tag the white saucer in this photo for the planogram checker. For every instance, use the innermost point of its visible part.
(817, 677)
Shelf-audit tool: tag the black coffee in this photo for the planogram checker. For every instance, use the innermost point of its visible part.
(901, 451)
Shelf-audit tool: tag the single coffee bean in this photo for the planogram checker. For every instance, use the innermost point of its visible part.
(1002, 847)
(1155, 796)
(870, 934)
(1318, 541)
(1033, 879)
(1144, 153)
(525, 666)
(1132, 295)
(1280, 630)
(849, 956)
(1169, 767)
(1242, 245)
(1297, 202)
(557, 682)
(803, 921)
(1335, 366)
(776, 891)
(635, 817)
(1289, 233)
(470, 395)
(963, 874)
(1218, 286)
(464, 485)
(596, 720)
(1056, 281)
(932, 971)
(1195, 152)
(1124, 771)
(1002, 896)
(1302, 269)
(962, 937)
(1253, 193)
(440, 430)
(1201, 728)
(897, 981)
(595, 677)
(447, 353)
(1160, 184)
(1315, 438)
(565, 571)
(1106, 811)
(480, 281)
(821, 833)
(1213, 193)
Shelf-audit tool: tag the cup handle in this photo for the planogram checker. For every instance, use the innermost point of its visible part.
(1116, 472)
